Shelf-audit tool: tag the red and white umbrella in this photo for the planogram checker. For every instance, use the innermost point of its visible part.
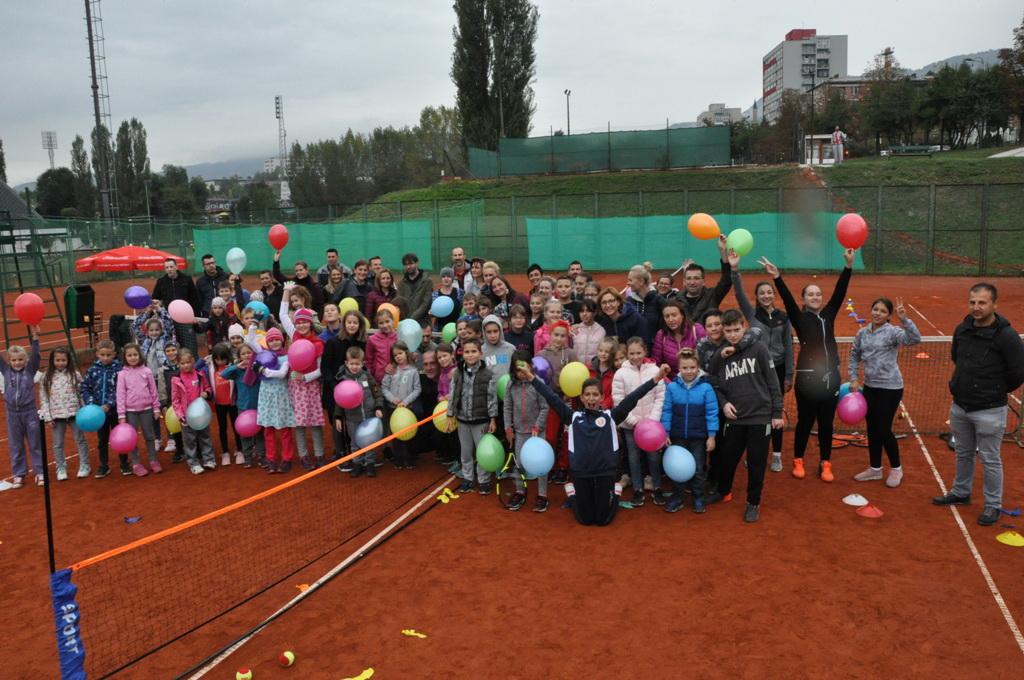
(127, 258)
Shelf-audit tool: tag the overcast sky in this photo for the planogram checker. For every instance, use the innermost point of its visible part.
(202, 75)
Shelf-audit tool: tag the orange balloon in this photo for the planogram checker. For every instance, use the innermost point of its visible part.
(703, 226)
(392, 309)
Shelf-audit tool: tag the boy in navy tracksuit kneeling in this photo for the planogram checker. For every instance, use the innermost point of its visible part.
(593, 445)
(751, 401)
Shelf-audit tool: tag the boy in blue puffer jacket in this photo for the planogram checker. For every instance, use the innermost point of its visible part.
(100, 387)
(690, 416)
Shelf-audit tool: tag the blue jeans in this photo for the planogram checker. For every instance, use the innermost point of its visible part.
(636, 473)
(698, 447)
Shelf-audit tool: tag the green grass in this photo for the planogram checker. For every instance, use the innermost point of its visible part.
(972, 166)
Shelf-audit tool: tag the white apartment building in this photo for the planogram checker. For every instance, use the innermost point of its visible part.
(802, 61)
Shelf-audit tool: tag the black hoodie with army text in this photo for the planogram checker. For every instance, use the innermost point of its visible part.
(748, 381)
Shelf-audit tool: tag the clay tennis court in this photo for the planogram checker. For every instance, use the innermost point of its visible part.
(813, 590)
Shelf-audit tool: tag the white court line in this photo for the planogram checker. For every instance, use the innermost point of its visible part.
(986, 574)
(320, 581)
(926, 319)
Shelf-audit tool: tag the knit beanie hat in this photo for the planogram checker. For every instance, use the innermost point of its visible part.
(274, 334)
(235, 329)
(218, 302)
(303, 315)
(447, 271)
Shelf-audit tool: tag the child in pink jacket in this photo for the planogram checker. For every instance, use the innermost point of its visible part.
(378, 346)
(186, 387)
(138, 403)
(635, 371)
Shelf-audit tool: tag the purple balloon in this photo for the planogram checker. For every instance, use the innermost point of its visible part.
(137, 297)
(267, 359)
(542, 369)
(852, 408)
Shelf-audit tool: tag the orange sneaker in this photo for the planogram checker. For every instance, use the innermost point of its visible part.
(798, 468)
(727, 498)
(826, 471)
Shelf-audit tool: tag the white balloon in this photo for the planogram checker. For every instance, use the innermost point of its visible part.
(410, 333)
(198, 414)
(236, 260)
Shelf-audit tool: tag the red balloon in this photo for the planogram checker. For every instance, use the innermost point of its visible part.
(278, 236)
(852, 230)
(28, 307)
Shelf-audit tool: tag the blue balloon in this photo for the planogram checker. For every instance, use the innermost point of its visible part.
(442, 306)
(542, 369)
(679, 464)
(259, 309)
(368, 432)
(844, 389)
(410, 333)
(537, 457)
(90, 418)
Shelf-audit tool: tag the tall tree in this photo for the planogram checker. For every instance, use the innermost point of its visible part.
(199, 192)
(85, 192)
(3, 163)
(131, 167)
(171, 193)
(493, 65)
(55, 192)
(1011, 61)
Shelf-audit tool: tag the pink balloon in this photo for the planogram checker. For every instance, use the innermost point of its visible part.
(348, 394)
(649, 434)
(302, 356)
(245, 423)
(181, 312)
(123, 438)
(852, 408)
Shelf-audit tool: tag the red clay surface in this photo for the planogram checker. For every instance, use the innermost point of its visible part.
(812, 590)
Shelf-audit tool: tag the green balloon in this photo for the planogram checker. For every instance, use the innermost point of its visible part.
(502, 385)
(490, 454)
(740, 240)
(448, 332)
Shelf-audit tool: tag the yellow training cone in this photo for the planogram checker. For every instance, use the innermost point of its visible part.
(1011, 538)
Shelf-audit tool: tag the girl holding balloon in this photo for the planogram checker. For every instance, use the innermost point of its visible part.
(555, 356)
(526, 415)
(378, 345)
(138, 404)
(247, 395)
(58, 404)
(449, 290)
(351, 333)
(634, 373)
(274, 410)
(401, 389)
(18, 372)
(186, 387)
(817, 367)
(224, 401)
(876, 347)
(305, 385)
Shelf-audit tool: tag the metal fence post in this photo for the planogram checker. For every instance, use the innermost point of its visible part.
(983, 255)
(514, 229)
(930, 263)
(686, 201)
(732, 200)
(878, 228)
(596, 213)
(435, 235)
(640, 203)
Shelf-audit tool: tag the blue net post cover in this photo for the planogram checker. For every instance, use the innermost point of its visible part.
(68, 626)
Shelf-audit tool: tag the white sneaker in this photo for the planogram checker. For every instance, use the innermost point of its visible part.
(196, 469)
(84, 471)
(40, 481)
(239, 458)
(62, 473)
(225, 458)
(776, 462)
(624, 481)
(648, 483)
(895, 478)
(171, 446)
(869, 475)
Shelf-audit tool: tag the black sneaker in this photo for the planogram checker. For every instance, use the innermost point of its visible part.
(674, 504)
(177, 457)
(713, 497)
(465, 487)
(371, 470)
(638, 499)
(752, 514)
(306, 463)
(951, 499)
(699, 506)
(101, 472)
(988, 516)
(126, 468)
(516, 501)
(560, 477)
(486, 489)
(347, 466)
(541, 504)
(356, 470)
(285, 467)
(658, 497)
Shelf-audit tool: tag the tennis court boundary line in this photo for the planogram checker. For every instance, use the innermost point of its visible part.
(358, 553)
(978, 559)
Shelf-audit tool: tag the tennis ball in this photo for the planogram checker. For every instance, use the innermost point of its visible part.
(243, 674)
(287, 658)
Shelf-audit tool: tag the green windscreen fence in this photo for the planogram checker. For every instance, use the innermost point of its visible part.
(354, 240)
(602, 151)
(790, 240)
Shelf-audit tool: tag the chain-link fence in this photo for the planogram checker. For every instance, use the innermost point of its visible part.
(928, 229)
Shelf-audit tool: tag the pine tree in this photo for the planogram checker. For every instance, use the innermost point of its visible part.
(131, 167)
(471, 73)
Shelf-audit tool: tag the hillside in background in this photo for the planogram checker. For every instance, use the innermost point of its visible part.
(981, 60)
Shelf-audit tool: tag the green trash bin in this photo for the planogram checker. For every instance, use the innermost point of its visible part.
(80, 305)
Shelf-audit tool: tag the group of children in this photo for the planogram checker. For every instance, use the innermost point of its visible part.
(714, 383)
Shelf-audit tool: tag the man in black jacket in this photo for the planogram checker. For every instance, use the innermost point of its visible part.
(207, 282)
(174, 285)
(988, 358)
(698, 298)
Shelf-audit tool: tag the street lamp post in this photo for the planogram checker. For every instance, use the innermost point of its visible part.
(568, 128)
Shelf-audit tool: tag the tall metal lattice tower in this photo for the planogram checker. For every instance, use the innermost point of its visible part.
(282, 135)
(106, 180)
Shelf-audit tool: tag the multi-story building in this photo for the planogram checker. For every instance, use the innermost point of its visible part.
(718, 114)
(800, 62)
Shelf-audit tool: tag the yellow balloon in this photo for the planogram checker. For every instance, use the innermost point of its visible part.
(441, 420)
(171, 421)
(348, 305)
(401, 419)
(571, 378)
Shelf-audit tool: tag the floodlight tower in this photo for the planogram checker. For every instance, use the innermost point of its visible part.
(282, 135)
(50, 143)
(101, 109)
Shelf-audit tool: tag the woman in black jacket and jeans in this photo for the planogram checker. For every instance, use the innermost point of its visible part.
(817, 367)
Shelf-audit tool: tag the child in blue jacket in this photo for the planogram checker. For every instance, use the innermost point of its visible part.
(247, 396)
(690, 416)
(100, 387)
